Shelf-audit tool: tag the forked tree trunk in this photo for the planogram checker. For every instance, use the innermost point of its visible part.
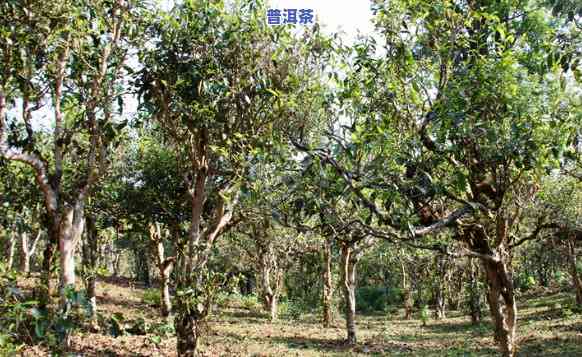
(327, 284)
(474, 293)
(27, 250)
(348, 264)
(577, 282)
(271, 305)
(502, 304)
(440, 308)
(270, 279)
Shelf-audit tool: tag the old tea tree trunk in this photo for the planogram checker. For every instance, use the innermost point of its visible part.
(348, 266)
(502, 304)
(10, 247)
(27, 250)
(194, 281)
(350, 256)
(271, 277)
(496, 263)
(165, 266)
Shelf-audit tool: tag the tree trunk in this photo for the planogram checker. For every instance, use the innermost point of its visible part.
(10, 247)
(197, 249)
(166, 297)
(45, 289)
(165, 266)
(71, 229)
(441, 287)
(271, 305)
(327, 284)
(459, 283)
(440, 308)
(349, 287)
(187, 332)
(270, 278)
(27, 251)
(502, 304)
(116, 262)
(24, 255)
(577, 282)
(408, 302)
(474, 293)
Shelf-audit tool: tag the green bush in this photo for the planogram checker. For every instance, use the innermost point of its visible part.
(15, 319)
(373, 299)
(525, 282)
(22, 320)
(424, 314)
(152, 297)
(250, 302)
(223, 299)
(292, 309)
(562, 279)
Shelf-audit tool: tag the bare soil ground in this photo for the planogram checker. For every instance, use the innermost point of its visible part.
(546, 328)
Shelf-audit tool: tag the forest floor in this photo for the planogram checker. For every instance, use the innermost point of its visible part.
(545, 328)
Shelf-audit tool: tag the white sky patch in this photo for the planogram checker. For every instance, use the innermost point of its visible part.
(352, 17)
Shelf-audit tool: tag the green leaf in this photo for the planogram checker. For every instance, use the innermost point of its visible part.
(275, 93)
(39, 329)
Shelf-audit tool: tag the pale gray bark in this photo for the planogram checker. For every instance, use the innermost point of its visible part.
(271, 277)
(165, 266)
(10, 248)
(71, 230)
(348, 265)
(350, 256)
(27, 250)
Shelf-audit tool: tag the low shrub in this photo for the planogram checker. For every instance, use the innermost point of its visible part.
(22, 321)
(373, 299)
(250, 302)
(424, 314)
(152, 297)
(292, 310)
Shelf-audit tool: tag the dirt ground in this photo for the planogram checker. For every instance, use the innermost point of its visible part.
(545, 328)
